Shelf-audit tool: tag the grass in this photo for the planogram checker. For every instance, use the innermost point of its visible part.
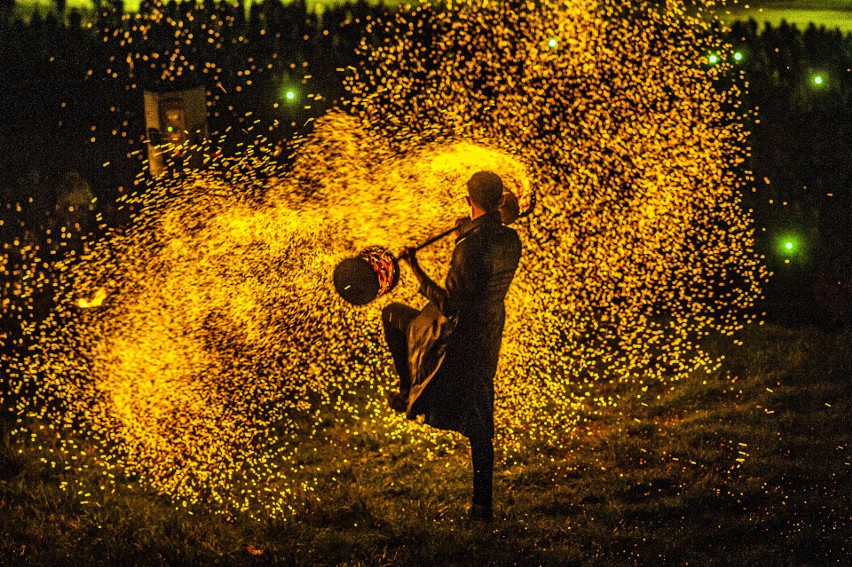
(746, 466)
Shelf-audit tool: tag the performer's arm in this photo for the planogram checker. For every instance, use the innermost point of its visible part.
(460, 283)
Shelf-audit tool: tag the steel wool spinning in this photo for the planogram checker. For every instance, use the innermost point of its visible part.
(375, 271)
(360, 280)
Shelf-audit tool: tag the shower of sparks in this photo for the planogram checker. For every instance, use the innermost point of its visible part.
(198, 348)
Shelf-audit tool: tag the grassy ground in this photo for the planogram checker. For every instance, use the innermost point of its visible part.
(751, 465)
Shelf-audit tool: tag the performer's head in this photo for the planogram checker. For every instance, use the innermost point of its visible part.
(485, 190)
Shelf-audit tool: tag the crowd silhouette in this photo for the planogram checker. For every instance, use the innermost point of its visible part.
(73, 126)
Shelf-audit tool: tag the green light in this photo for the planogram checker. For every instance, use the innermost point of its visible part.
(788, 245)
(818, 80)
(169, 129)
(713, 58)
(552, 43)
(291, 95)
(738, 56)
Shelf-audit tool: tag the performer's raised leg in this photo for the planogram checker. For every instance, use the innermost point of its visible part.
(395, 319)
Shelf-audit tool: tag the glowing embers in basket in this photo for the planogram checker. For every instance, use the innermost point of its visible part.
(360, 280)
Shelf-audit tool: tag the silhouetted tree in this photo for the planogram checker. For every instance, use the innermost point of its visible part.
(75, 19)
(7, 8)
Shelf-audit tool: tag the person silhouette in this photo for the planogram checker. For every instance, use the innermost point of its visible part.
(446, 354)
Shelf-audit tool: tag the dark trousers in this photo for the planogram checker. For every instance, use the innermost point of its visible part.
(395, 320)
(482, 455)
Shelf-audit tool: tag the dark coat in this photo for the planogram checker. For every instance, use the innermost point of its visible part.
(454, 343)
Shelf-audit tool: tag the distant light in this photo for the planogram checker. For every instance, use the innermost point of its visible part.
(713, 58)
(818, 80)
(169, 129)
(552, 43)
(738, 56)
(789, 245)
(290, 95)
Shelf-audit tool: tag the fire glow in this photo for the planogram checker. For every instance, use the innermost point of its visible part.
(196, 346)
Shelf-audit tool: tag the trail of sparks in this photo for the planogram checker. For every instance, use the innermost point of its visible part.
(196, 348)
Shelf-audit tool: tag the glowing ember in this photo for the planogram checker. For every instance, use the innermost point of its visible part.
(218, 335)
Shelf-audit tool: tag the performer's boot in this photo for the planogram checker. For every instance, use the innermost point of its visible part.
(398, 401)
(480, 513)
